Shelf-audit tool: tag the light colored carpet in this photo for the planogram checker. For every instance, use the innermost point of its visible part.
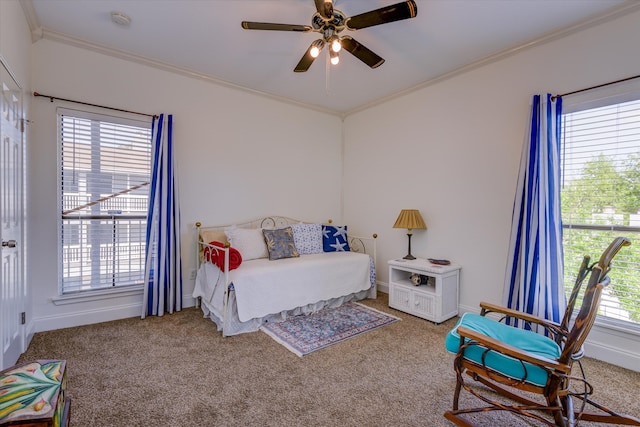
(176, 370)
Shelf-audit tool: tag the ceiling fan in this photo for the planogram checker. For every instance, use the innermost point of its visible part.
(329, 22)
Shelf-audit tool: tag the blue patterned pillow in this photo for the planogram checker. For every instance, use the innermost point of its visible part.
(280, 243)
(307, 238)
(334, 239)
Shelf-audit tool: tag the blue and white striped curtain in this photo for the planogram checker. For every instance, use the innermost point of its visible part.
(534, 277)
(163, 268)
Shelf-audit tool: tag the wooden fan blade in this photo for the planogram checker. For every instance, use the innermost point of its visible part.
(247, 25)
(362, 53)
(325, 8)
(305, 61)
(395, 12)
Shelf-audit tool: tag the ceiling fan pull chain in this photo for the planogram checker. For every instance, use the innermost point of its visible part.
(327, 74)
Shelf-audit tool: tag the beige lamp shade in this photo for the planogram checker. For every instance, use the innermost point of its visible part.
(410, 219)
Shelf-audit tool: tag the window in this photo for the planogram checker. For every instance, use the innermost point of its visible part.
(600, 161)
(105, 168)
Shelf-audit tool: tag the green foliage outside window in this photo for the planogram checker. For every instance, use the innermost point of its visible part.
(599, 205)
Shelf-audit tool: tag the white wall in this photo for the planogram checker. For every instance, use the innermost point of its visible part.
(452, 151)
(240, 156)
(15, 40)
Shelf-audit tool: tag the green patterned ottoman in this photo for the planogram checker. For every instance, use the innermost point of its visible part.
(33, 394)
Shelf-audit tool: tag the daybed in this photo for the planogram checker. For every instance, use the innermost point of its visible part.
(271, 268)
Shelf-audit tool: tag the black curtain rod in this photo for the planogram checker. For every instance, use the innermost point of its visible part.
(595, 87)
(51, 98)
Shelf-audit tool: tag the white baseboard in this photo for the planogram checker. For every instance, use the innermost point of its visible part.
(87, 317)
(383, 287)
(614, 355)
(30, 330)
(466, 309)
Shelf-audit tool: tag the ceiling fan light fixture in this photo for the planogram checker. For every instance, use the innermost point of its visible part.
(335, 45)
(330, 22)
(316, 47)
(334, 57)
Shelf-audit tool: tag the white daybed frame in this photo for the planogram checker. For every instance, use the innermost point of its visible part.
(366, 245)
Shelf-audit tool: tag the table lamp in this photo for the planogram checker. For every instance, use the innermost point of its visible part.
(411, 220)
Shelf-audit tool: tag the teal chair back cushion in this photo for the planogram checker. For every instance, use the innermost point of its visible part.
(529, 341)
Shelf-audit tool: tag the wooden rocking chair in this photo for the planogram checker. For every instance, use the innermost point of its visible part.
(519, 364)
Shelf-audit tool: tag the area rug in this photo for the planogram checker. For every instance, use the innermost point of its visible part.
(305, 334)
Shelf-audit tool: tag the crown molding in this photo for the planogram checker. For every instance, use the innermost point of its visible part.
(128, 56)
(32, 19)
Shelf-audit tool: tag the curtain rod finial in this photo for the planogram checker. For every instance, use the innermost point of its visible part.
(46, 96)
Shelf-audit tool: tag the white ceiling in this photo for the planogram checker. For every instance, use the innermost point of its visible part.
(204, 38)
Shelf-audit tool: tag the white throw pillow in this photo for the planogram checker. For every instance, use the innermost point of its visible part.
(248, 241)
(307, 238)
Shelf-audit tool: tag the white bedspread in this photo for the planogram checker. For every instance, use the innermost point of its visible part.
(264, 287)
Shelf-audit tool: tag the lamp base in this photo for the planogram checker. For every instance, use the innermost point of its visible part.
(409, 256)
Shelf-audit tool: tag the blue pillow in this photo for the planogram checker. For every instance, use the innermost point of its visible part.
(334, 239)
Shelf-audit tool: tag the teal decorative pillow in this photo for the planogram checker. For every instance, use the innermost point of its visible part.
(280, 243)
(529, 341)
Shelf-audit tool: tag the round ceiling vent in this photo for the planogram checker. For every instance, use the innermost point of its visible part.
(120, 18)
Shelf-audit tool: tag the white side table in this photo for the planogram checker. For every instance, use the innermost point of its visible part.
(436, 301)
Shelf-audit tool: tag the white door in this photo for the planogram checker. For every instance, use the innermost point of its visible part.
(12, 295)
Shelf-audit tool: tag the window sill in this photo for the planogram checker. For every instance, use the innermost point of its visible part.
(97, 295)
(620, 327)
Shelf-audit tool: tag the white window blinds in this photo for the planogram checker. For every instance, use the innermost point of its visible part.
(104, 166)
(600, 161)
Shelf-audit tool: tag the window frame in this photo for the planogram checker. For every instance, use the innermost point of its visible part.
(591, 99)
(66, 296)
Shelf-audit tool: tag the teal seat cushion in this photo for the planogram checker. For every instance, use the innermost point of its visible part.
(525, 340)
